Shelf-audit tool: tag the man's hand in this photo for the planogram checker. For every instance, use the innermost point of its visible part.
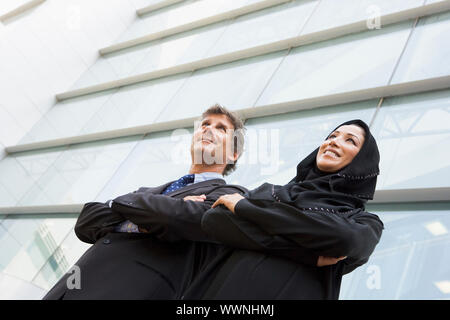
(228, 200)
(328, 261)
(200, 198)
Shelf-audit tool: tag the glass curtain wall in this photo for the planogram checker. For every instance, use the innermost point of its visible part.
(410, 262)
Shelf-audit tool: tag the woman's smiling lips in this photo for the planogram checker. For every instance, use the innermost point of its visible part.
(331, 153)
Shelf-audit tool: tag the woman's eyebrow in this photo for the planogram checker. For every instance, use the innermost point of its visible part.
(351, 134)
(348, 133)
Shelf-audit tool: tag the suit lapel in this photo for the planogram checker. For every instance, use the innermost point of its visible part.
(160, 189)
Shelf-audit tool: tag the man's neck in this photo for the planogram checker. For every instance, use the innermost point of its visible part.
(200, 168)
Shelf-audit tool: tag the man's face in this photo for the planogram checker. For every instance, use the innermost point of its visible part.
(212, 142)
(341, 146)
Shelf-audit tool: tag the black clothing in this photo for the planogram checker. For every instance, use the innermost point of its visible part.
(154, 265)
(288, 228)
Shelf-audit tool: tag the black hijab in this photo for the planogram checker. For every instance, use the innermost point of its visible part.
(342, 191)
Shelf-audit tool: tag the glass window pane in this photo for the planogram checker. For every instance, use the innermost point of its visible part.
(264, 26)
(37, 237)
(135, 105)
(18, 172)
(61, 261)
(80, 173)
(157, 159)
(234, 85)
(410, 262)
(269, 25)
(276, 144)
(178, 15)
(8, 246)
(9, 5)
(128, 106)
(426, 51)
(348, 63)
(350, 11)
(168, 52)
(6, 197)
(66, 118)
(13, 288)
(412, 130)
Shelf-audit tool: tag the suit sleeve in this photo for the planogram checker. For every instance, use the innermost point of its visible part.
(169, 219)
(95, 221)
(326, 234)
(229, 229)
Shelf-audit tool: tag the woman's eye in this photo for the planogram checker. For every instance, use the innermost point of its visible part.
(352, 141)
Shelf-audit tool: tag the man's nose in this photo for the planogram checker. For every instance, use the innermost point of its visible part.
(206, 128)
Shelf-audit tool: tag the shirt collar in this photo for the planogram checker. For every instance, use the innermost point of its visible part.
(204, 176)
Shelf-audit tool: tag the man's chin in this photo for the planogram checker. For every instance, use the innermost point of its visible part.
(207, 158)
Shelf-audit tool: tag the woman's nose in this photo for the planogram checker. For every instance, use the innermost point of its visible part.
(333, 143)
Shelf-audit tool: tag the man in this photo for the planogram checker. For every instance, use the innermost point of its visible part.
(145, 242)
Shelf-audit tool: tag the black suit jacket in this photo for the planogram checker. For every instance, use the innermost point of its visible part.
(155, 265)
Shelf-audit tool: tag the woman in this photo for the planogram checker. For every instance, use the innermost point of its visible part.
(297, 241)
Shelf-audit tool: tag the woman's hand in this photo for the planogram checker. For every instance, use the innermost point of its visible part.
(200, 198)
(228, 200)
(328, 261)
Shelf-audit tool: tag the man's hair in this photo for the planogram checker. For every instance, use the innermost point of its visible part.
(238, 135)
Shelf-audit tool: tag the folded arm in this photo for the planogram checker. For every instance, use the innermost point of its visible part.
(168, 218)
(95, 221)
(227, 228)
(326, 234)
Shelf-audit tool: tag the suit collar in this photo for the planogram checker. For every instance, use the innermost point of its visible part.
(207, 183)
(161, 188)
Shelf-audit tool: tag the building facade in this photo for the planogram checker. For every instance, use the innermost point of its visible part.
(101, 100)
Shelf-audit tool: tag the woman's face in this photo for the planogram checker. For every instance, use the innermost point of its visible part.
(341, 146)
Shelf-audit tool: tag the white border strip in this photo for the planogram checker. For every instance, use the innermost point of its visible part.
(400, 89)
(19, 10)
(193, 25)
(302, 40)
(156, 6)
(381, 196)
